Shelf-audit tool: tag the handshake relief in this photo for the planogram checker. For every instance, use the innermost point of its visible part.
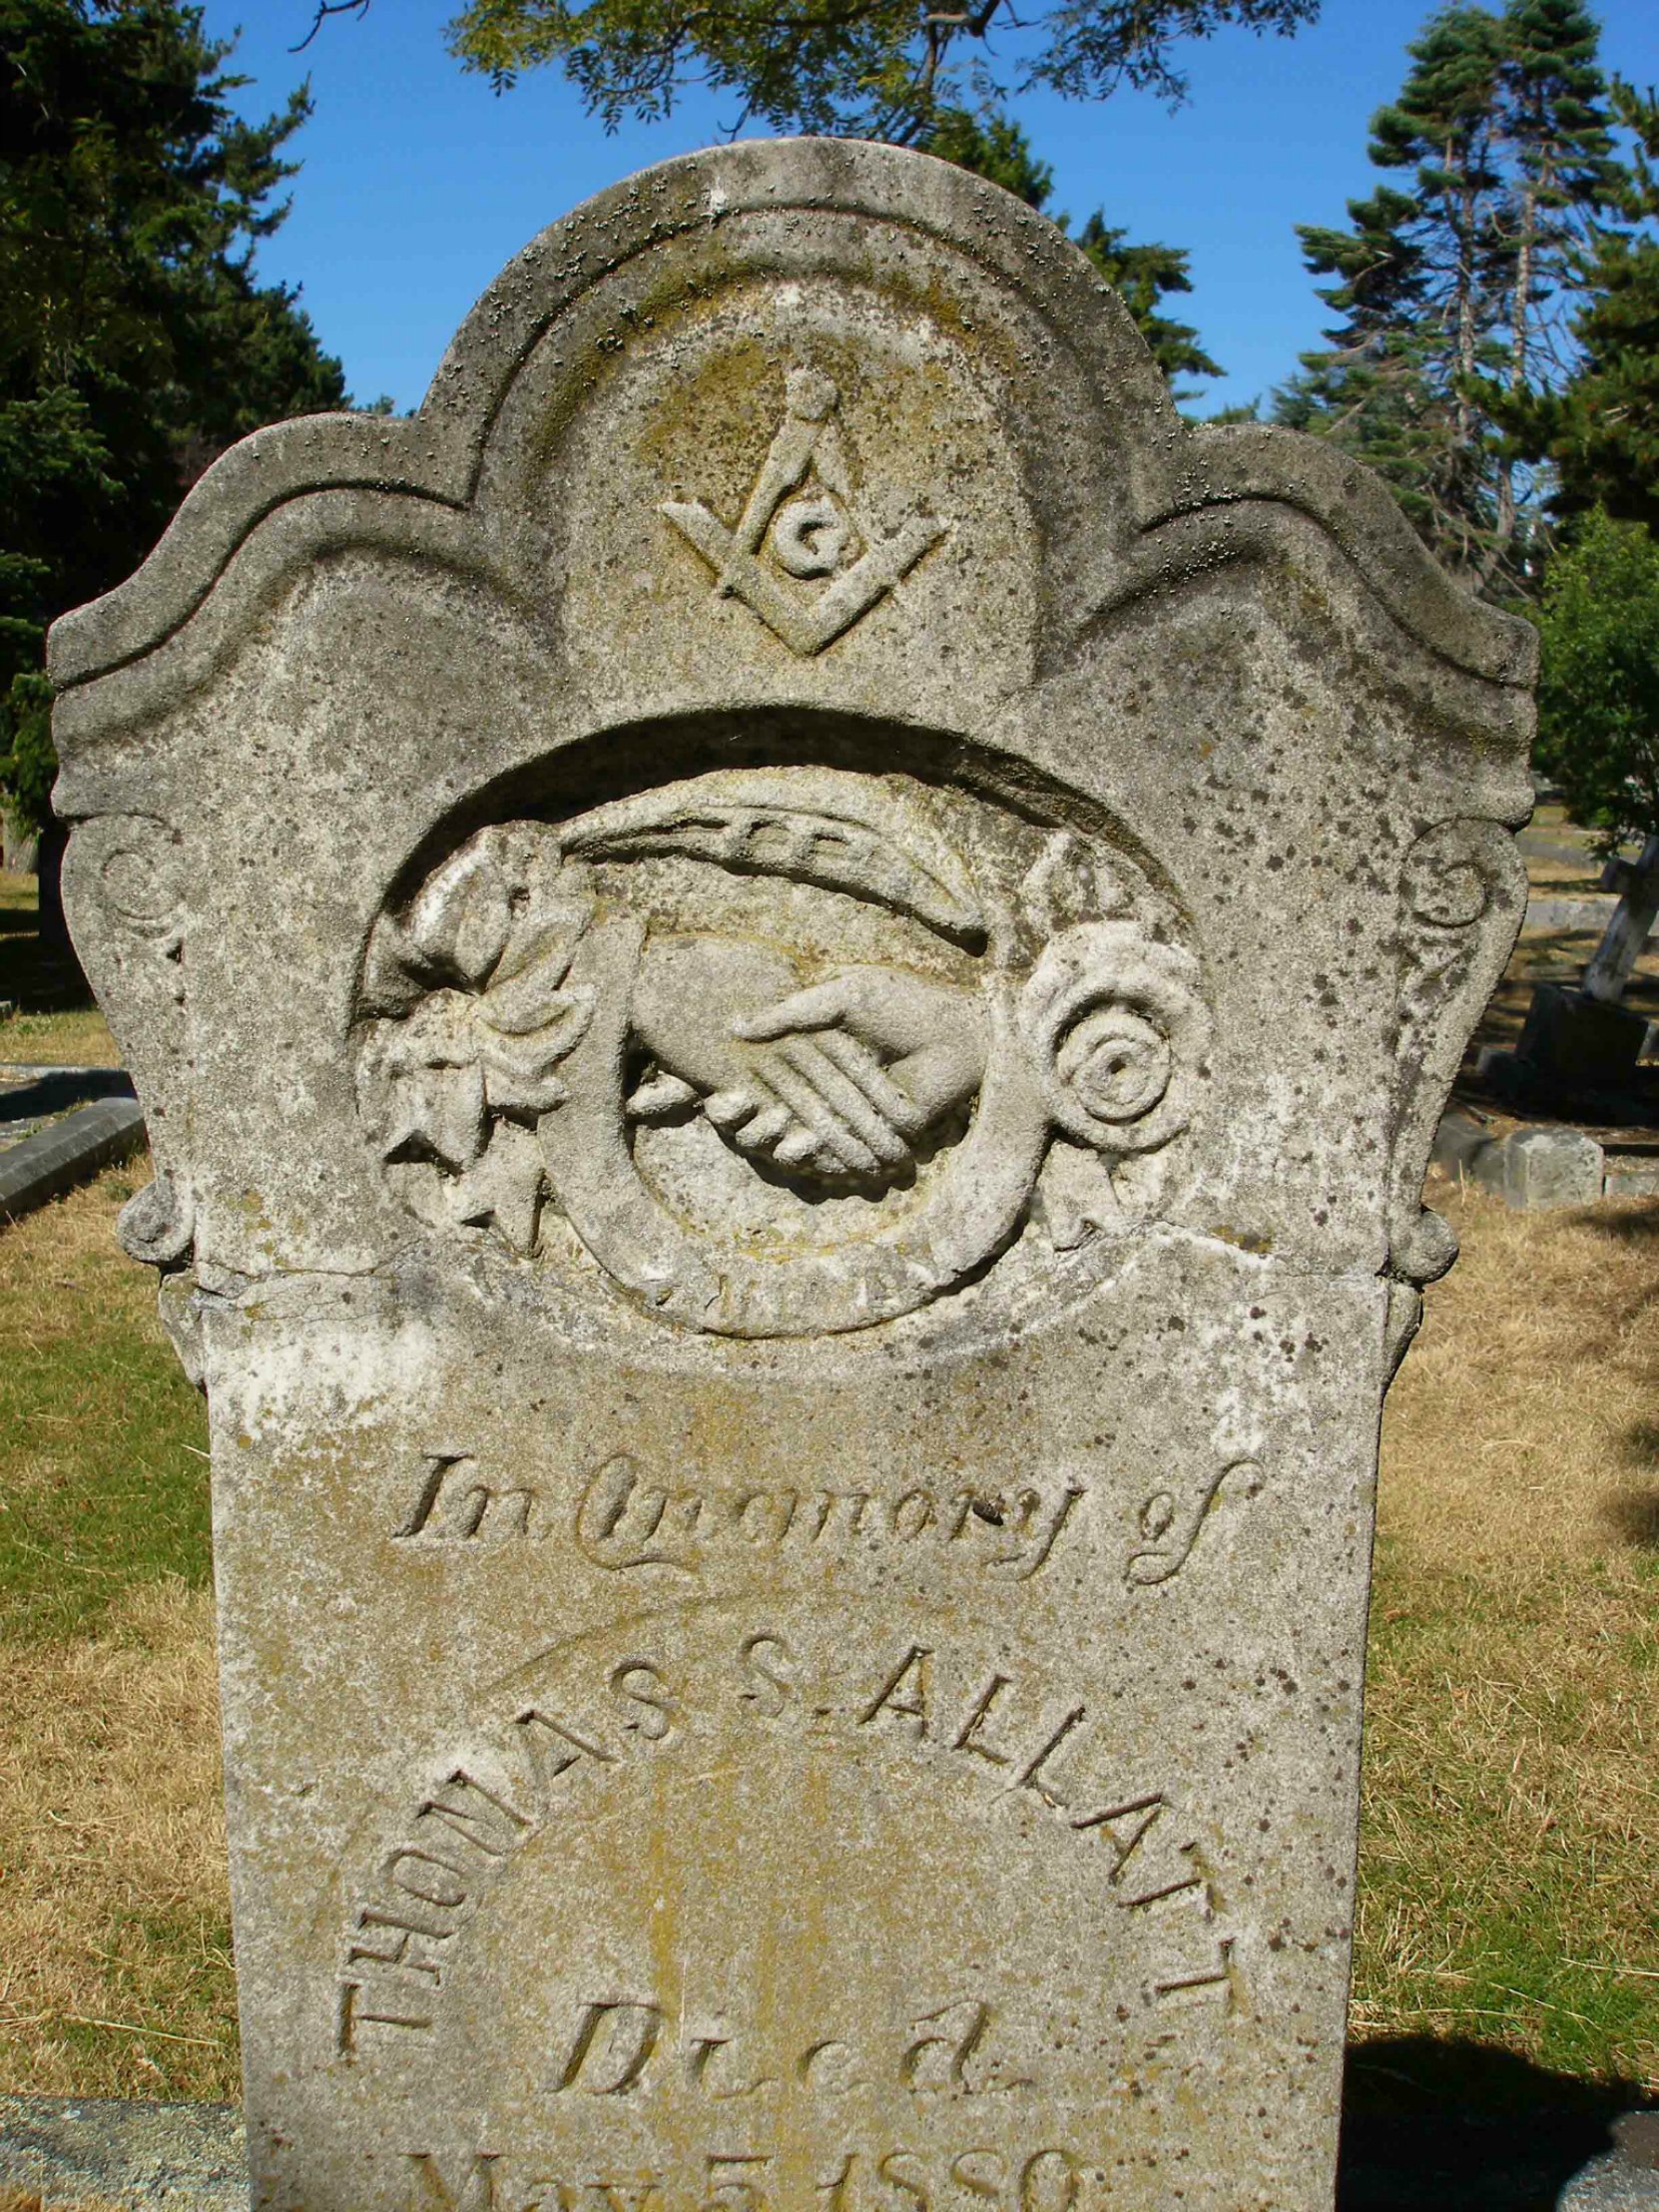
(548, 992)
(840, 1080)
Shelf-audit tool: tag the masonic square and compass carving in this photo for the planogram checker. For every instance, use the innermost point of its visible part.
(792, 1050)
(801, 521)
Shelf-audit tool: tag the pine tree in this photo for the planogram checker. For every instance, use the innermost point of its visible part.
(1553, 123)
(1600, 430)
(1415, 295)
(136, 342)
(882, 69)
(994, 147)
(1449, 287)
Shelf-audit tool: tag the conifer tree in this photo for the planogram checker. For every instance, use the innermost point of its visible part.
(1553, 122)
(993, 146)
(136, 341)
(1451, 284)
(882, 69)
(1600, 430)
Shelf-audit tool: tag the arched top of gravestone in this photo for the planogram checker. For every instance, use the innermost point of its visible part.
(1129, 498)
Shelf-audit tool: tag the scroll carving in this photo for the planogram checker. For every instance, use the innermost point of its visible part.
(674, 1021)
(158, 1223)
(125, 883)
(132, 868)
(1462, 895)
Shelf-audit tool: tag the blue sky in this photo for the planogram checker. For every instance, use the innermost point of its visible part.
(419, 183)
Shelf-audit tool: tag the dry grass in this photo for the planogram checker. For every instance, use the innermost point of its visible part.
(115, 1971)
(1512, 1821)
(1546, 841)
(1525, 1423)
(1510, 1845)
(116, 1978)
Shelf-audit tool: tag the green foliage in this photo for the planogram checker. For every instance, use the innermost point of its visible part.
(1598, 687)
(884, 69)
(1600, 431)
(993, 146)
(1141, 274)
(1448, 284)
(136, 342)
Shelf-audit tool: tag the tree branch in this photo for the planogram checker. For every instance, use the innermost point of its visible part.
(325, 9)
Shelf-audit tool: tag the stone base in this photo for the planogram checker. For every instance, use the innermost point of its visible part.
(1632, 1172)
(1530, 1169)
(126, 2152)
(1535, 1169)
(68, 1152)
(191, 2158)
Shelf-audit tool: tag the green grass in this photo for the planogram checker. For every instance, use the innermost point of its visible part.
(1510, 1840)
(57, 1022)
(105, 1479)
(171, 1962)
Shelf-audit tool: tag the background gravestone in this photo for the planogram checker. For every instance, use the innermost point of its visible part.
(791, 964)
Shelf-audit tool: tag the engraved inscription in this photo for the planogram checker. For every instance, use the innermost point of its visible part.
(1169, 1530)
(616, 2043)
(1038, 1752)
(628, 1521)
(430, 1884)
(802, 517)
(455, 1502)
(1049, 2178)
(625, 1520)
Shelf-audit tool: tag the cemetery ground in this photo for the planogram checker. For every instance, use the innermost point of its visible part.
(55, 1021)
(1510, 1847)
(1510, 1851)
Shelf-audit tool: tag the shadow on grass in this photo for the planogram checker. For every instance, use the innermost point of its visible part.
(1630, 1512)
(1634, 1225)
(1437, 2123)
(1631, 1516)
(42, 979)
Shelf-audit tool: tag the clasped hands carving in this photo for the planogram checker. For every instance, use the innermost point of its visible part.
(519, 1021)
(841, 1079)
(848, 1076)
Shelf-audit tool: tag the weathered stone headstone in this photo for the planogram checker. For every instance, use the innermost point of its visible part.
(792, 963)
(1581, 1046)
(1535, 1169)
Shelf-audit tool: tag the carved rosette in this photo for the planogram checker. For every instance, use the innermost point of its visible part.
(1118, 1029)
(790, 1051)
(1462, 896)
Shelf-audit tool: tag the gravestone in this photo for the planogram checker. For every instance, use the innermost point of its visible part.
(1586, 1040)
(792, 963)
